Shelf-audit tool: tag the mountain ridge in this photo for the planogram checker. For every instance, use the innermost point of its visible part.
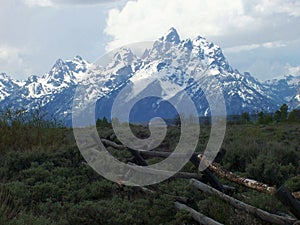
(188, 63)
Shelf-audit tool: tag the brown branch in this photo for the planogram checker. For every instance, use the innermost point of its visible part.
(194, 160)
(250, 183)
(266, 216)
(199, 217)
(283, 195)
(183, 175)
(112, 144)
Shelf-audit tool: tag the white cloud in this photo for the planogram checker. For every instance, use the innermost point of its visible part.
(39, 3)
(293, 70)
(148, 19)
(241, 48)
(289, 7)
(274, 44)
(11, 57)
(8, 53)
(55, 3)
(265, 21)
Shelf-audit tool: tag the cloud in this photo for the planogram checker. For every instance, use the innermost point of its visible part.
(245, 22)
(149, 19)
(55, 3)
(11, 57)
(269, 7)
(241, 48)
(293, 70)
(275, 44)
(39, 3)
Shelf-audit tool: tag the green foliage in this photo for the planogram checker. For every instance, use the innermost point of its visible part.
(245, 117)
(284, 112)
(293, 183)
(264, 118)
(184, 218)
(102, 122)
(45, 180)
(21, 130)
(267, 153)
(8, 207)
(25, 219)
(294, 116)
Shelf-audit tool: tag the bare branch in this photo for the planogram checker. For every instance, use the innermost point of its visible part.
(250, 183)
(266, 216)
(199, 217)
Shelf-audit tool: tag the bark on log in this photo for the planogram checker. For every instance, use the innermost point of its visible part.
(183, 175)
(250, 183)
(288, 200)
(138, 158)
(112, 144)
(211, 178)
(266, 216)
(199, 217)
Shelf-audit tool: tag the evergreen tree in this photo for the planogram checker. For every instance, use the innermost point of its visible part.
(284, 112)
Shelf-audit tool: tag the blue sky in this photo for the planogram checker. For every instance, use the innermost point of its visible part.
(260, 36)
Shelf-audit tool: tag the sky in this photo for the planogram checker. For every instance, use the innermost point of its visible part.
(259, 36)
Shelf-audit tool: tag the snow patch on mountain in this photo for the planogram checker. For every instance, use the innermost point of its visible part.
(171, 66)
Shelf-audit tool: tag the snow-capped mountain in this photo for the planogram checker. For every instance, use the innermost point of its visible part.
(294, 103)
(285, 89)
(8, 85)
(192, 65)
(38, 91)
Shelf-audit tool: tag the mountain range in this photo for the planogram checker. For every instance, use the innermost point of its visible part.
(190, 64)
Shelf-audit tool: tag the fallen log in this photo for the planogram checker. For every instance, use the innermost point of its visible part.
(266, 216)
(288, 200)
(138, 154)
(199, 217)
(210, 177)
(183, 175)
(250, 183)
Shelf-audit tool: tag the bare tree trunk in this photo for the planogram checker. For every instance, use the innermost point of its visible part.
(138, 154)
(199, 217)
(250, 183)
(283, 195)
(271, 218)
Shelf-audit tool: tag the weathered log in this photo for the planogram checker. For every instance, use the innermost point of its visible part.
(186, 175)
(296, 194)
(266, 216)
(138, 158)
(250, 183)
(288, 200)
(183, 175)
(220, 155)
(199, 217)
(223, 173)
(112, 144)
(144, 152)
(211, 178)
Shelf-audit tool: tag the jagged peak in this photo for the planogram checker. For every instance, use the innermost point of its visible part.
(78, 57)
(124, 54)
(188, 44)
(59, 63)
(201, 41)
(32, 78)
(171, 36)
(3, 76)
